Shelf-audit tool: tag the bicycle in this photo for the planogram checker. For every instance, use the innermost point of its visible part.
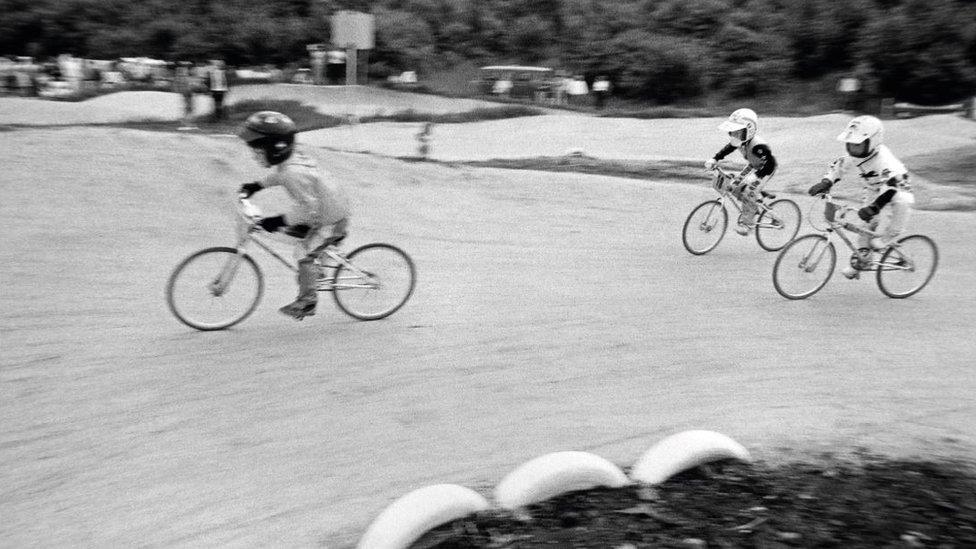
(218, 287)
(805, 265)
(777, 223)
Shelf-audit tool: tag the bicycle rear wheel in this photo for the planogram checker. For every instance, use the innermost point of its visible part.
(778, 224)
(705, 227)
(381, 282)
(908, 266)
(804, 266)
(214, 289)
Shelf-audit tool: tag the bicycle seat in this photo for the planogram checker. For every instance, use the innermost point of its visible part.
(767, 194)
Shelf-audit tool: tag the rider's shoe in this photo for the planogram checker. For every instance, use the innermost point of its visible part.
(744, 230)
(850, 272)
(299, 309)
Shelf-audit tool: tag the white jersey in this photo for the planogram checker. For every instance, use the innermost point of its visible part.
(878, 171)
(318, 202)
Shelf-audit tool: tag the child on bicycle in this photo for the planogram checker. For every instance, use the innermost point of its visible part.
(321, 212)
(885, 181)
(742, 126)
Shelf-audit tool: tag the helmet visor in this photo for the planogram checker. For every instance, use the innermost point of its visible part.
(730, 126)
(249, 135)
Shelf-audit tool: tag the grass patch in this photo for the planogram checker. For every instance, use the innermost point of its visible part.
(662, 112)
(633, 169)
(475, 115)
(305, 116)
(864, 501)
(948, 167)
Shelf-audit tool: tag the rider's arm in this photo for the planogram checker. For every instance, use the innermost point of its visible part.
(726, 150)
(837, 169)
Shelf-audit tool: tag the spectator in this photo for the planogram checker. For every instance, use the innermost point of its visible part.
(559, 85)
(577, 90)
(183, 84)
(601, 91)
(424, 136)
(336, 66)
(318, 66)
(503, 86)
(217, 84)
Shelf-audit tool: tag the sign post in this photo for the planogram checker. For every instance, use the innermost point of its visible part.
(353, 31)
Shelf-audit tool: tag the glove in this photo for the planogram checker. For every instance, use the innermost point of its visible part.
(820, 188)
(868, 212)
(272, 224)
(298, 231)
(710, 164)
(248, 189)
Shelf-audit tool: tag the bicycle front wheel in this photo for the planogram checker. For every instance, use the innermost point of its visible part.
(804, 266)
(705, 227)
(214, 289)
(380, 281)
(908, 266)
(778, 224)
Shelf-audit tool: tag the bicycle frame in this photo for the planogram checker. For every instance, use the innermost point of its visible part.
(762, 211)
(838, 225)
(327, 283)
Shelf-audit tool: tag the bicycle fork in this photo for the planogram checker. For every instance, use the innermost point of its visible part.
(228, 271)
(810, 261)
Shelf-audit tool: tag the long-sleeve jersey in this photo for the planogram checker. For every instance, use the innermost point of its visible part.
(318, 203)
(879, 170)
(756, 152)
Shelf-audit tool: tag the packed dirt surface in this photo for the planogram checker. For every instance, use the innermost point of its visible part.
(552, 312)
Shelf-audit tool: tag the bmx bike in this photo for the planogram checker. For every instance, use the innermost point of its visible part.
(777, 222)
(216, 288)
(805, 265)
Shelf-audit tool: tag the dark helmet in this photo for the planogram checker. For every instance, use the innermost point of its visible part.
(271, 132)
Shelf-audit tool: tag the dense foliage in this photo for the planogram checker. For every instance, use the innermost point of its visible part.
(917, 50)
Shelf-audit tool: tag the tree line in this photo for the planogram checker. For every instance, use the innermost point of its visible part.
(658, 50)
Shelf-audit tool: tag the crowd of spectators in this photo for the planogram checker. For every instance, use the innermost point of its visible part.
(66, 75)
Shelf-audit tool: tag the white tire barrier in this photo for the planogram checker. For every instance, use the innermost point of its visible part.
(554, 474)
(407, 519)
(685, 450)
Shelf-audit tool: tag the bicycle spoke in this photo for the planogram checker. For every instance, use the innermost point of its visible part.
(705, 227)
(908, 266)
(804, 266)
(205, 302)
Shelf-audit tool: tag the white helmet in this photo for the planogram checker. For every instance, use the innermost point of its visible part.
(741, 126)
(863, 135)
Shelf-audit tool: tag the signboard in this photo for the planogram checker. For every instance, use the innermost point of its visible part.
(353, 29)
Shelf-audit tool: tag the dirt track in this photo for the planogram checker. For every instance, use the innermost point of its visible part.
(553, 312)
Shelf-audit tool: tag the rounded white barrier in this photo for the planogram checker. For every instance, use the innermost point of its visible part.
(685, 450)
(407, 519)
(557, 473)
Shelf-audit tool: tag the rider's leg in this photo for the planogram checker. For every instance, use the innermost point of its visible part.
(899, 212)
(306, 253)
(308, 276)
(748, 193)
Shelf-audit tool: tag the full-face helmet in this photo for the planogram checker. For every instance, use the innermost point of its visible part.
(863, 136)
(741, 126)
(271, 135)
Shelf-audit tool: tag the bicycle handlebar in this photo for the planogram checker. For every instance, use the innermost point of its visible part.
(247, 209)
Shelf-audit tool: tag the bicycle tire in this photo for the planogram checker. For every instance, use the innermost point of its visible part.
(920, 248)
(392, 277)
(793, 263)
(773, 239)
(198, 306)
(712, 225)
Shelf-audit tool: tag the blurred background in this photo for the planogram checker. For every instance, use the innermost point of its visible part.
(796, 56)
